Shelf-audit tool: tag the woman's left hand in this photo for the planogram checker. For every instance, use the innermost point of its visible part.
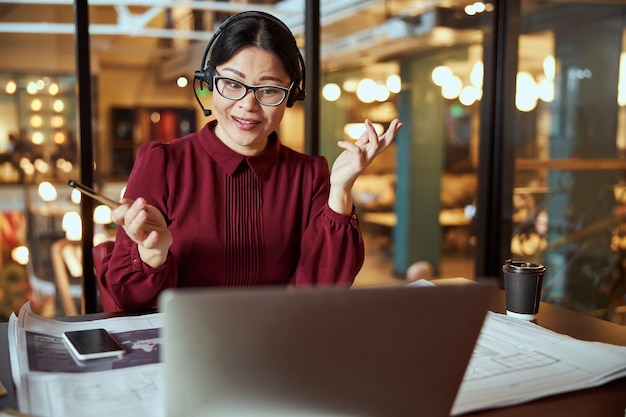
(355, 158)
(359, 155)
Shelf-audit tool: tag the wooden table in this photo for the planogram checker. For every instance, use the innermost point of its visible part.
(608, 400)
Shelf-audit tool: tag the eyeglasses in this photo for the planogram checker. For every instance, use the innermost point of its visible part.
(267, 95)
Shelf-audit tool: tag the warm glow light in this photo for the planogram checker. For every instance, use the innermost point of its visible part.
(331, 92)
(155, 117)
(35, 121)
(469, 95)
(20, 254)
(46, 191)
(452, 88)
(27, 166)
(72, 226)
(477, 74)
(182, 82)
(477, 7)
(59, 138)
(545, 90)
(526, 93)
(56, 121)
(355, 130)
(65, 166)
(42, 166)
(394, 83)
(75, 196)
(441, 75)
(36, 105)
(53, 89)
(350, 85)
(58, 106)
(37, 138)
(31, 88)
(549, 67)
(11, 87)
(366, 90)
(621, 83)
(102, 214)
(382, 93)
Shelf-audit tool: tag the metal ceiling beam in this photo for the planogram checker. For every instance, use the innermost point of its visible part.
(220, 6)
(100, 29)
(290, 11)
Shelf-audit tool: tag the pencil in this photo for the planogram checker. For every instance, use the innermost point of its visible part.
(93, 194)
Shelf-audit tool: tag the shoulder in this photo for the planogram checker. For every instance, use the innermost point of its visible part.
(177, 145)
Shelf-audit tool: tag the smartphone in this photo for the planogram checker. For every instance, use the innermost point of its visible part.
(93, 194)
(92, 344)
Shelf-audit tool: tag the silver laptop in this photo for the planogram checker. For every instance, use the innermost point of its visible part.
(379, 351)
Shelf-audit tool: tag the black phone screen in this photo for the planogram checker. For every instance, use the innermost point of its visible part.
(93, 343)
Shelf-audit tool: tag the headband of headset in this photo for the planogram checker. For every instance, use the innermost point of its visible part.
(205, 74)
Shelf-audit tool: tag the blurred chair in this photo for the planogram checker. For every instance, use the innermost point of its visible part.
(68, 271)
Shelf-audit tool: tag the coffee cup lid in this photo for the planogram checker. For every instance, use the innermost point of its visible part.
(522, 267)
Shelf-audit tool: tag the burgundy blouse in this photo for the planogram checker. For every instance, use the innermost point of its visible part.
(236, 221)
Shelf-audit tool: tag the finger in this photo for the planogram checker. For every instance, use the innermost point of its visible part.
(371, 147)
(152, 240)
(368, 135)
(135, 208)
(349, 146)
(135, 226)
(118, 214)
(388, 137)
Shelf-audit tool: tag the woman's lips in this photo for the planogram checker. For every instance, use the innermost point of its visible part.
(245, 124)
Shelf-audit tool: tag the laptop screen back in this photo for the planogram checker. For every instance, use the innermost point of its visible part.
(383, 351)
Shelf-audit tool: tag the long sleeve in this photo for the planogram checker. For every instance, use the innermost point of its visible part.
(236, 221)
(132, 283)
(332, 245)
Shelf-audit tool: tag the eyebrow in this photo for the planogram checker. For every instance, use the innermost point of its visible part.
(242, 75)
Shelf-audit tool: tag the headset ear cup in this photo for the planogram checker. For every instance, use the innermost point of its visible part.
(293, 94)
(209, 72)
(205, 76)
(301, 94)
(296, 94)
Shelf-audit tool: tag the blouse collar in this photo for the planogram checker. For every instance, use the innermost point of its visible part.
(230, 160)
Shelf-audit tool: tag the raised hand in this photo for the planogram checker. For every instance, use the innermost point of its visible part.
(355, 158)
(145, 225)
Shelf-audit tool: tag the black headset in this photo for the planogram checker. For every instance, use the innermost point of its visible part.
(205, 75)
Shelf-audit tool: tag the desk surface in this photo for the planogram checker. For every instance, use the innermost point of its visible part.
(608, 400)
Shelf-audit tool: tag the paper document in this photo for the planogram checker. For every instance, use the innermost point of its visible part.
(515, 361)
(50, 382)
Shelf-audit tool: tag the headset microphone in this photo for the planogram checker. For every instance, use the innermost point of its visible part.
(202, 77)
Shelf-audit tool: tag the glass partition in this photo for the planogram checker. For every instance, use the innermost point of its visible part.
(568, 131)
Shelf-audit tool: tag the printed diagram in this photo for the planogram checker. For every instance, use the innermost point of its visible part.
(489, 364)
(107, 393)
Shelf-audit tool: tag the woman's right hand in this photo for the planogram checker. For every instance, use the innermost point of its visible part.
(145, 225)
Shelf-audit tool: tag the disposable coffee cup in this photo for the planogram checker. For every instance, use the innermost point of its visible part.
(522, 287)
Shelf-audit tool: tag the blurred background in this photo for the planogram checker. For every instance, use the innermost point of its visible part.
(513, 146)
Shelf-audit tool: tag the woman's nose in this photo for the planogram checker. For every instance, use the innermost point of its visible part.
(248, 101)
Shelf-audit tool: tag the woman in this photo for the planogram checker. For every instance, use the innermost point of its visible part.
(231, 206)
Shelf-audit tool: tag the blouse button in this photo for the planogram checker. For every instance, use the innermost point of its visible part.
(135, 261)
